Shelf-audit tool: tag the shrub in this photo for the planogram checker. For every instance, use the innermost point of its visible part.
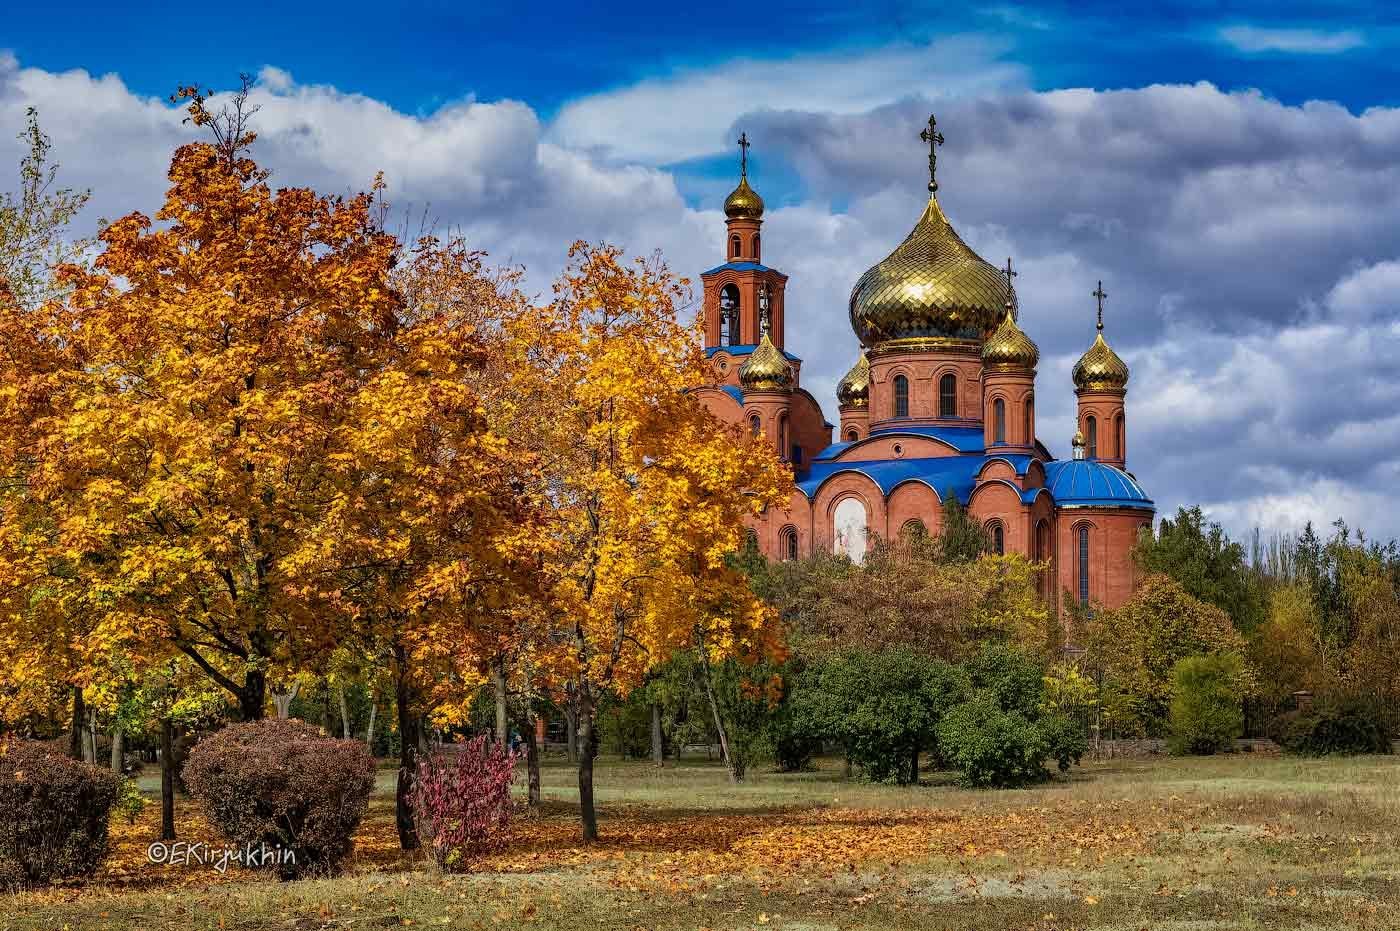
(282, 784)
(53, 815)
(995, 747)
(1206, 714)
(130, 802)
(1336, 726)
(461, 801)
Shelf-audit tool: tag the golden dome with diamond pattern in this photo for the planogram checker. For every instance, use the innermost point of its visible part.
(853, 390)
(932, 287)
(743, 202)
(766, 369)
(1009, 348)
(1100, 369)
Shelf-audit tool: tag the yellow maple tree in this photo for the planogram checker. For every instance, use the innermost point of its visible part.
(647, 489)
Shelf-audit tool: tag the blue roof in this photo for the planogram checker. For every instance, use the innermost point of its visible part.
(741, 350)
(740, 267)
(963, 439)
(938, 472)
(734, 392)
(1090, 483)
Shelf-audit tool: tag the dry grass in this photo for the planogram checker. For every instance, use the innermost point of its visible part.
(1237, 842)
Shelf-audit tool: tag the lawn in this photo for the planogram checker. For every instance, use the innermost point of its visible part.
(1235, 842)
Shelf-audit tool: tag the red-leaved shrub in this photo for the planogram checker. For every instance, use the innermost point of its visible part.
(53, 814)
(283, 786)
(461, 801)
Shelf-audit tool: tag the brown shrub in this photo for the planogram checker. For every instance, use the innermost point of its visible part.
(283, 785)
(53, 814)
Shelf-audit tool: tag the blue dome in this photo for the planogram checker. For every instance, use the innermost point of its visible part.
(1089, 483)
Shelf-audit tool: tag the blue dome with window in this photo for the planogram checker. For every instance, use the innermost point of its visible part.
(1090, 483)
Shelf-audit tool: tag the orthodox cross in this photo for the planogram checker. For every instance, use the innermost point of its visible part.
(934, 138)
(1008, 273)
(1100, 294)
(744, 154)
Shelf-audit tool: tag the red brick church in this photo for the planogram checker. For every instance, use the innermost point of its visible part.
(940, 400)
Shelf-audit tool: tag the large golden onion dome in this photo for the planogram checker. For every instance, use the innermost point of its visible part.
(743, 202)
(1009, 348)
(853, 390)
(932, 287)
(766, 369)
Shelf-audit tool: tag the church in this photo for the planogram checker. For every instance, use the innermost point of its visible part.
(940, 401)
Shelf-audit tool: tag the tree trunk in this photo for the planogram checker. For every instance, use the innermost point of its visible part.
(369, 728)
(90, 738)
(167, 779)
(344, 712)
(118, 750)
(532, 761)
(252, 698)
(847, 770)
(283, 701)
(914, 766)
(408, 753)
(75, 735)
(657, 756)
(498, 683)
(734, 774)
(585, 765)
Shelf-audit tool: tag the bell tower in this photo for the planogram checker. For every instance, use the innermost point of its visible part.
(734, 290)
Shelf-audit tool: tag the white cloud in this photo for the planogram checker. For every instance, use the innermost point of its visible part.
(1255, 39)
(689, 113)
(1251, 250)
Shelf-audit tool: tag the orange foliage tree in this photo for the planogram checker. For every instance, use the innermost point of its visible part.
(647, 489)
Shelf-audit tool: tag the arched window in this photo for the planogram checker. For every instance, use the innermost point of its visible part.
(948, 395)
(1091, 428)
(755, 425)
(789, 548)
(901, 396)
(1083, 544)
(734, 246)
(782, 435)
(751, 538)
(852, 436)
(1042, 555)
(729, 316)
(1120, 441)
(1030, 420)
(999, 421)
(996, 535)
(848, 528)
(755, 247)
(913, 529)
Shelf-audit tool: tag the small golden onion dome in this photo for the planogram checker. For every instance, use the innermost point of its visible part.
(932, 286)
(854, 389)
(1100, 369)
(743, 202)
(1010, 349)
(766, 369)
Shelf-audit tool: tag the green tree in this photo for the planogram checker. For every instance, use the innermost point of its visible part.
(1206, 714)
(1207, 564)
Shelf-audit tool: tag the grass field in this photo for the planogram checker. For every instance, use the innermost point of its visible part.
(1235, 842)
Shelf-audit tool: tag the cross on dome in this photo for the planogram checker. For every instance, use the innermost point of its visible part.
(934, 138)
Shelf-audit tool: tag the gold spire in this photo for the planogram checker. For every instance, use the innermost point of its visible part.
(743, 202)
(1009, 349)
(766, 369)
(853, 390)
(1100, 369)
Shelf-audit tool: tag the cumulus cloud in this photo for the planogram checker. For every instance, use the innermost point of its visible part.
(687, 114)
(1251, 250)
(1298, 41)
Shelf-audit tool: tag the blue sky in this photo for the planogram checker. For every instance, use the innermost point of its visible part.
(1232, 173)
